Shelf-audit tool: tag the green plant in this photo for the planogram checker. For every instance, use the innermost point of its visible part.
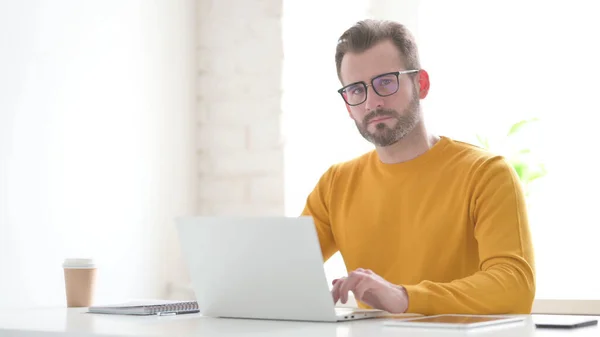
(517, 153)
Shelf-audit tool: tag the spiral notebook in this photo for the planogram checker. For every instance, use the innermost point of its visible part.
(147, 307)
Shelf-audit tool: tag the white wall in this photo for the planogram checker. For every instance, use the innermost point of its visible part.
(239, 144)
(405, 12)
(97, 122)
(240, 148)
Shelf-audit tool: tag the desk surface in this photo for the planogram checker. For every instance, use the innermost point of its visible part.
(75, 322)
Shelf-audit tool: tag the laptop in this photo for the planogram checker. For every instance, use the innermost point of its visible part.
(260, 268)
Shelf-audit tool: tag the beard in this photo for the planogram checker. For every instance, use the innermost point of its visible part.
(385, 135)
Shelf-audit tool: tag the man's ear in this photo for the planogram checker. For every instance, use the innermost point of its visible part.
(423, 83)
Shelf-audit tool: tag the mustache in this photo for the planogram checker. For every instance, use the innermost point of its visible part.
(378, 114)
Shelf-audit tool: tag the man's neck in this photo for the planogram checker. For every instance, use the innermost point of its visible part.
(417, 142)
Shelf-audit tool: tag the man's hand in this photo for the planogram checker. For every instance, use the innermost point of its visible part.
(371, 289)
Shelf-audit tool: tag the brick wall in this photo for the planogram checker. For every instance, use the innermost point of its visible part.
(240, 150)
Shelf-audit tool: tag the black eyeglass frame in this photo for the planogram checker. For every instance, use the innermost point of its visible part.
(366, 86)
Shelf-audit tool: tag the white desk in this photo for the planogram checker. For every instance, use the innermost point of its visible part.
(75, 322)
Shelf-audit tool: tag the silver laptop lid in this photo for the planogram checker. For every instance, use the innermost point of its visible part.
(257, 267)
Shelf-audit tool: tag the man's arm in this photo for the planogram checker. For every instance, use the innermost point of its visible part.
(506, 280)
(317, 206)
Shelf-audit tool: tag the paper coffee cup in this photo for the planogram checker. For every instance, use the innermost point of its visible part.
(80, 281)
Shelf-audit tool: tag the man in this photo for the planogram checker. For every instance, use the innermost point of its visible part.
(425, 224)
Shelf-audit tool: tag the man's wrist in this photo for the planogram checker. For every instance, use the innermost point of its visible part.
(404, 296)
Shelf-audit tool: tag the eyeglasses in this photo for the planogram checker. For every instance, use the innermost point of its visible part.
(384, 85)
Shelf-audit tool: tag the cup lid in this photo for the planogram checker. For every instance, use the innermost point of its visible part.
(79, 263)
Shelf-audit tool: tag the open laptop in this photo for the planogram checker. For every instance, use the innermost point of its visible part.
(260, 268)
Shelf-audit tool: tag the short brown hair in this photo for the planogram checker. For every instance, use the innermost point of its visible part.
(366, 33)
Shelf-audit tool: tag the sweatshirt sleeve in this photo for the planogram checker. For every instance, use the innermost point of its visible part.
(505, 282)
(317, 206)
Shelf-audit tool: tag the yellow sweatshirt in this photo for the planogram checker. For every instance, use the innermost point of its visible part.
(450, 226)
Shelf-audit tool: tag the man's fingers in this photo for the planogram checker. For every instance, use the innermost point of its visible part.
(335, 291)
(349, 285)
(341, 287)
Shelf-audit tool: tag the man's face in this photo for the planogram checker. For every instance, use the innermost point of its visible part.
(382, 121)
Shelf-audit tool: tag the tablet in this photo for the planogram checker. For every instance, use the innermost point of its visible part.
(454, 321)
(562, 322)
